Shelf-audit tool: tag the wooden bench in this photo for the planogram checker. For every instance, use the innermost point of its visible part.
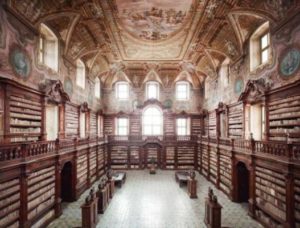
(119, 178)
(182, 177)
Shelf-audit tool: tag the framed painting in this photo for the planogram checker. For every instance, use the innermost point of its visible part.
(289, 63)
(20, 62)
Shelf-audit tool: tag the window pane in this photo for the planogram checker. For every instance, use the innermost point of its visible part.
(152, 91)
(122, 126)
(182, 91)
(265, 56)
(152, 121)
(265, 41)
(122, 91)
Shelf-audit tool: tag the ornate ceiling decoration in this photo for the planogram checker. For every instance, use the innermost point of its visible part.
(169, 36)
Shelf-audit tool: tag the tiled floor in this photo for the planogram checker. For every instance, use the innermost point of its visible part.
(157, 201)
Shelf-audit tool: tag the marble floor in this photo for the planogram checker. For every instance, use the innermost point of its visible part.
(157, 201)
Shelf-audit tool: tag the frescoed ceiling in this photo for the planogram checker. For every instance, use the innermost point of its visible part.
(140, 35)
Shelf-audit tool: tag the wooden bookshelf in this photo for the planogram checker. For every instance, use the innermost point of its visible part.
(213, 165)
(205, 160)
(108, 125)
(270, 194)
(24, 113)
(297, 201)
(101, 161)
(93, 124)
(134, 157)
(212, 124)
(71, 120)
(235, 120)
(119, 157)
(41, 194)
(135, 124)
(82, 174)
(170, 157)
(284, 118)
(93, 164)
(196, 128)
(169, 124)
(225, 171)
(10, 203)
(185, 157)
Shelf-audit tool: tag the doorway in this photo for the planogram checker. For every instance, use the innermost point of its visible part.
(66, 183)
(242, 183)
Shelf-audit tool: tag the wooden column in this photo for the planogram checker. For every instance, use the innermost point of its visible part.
(62, 121)
(218, 165)
(58, 210)
(43, 122)
(252, 200)
(176, 157)
(290, 201)
(24, 223)
(6, 117)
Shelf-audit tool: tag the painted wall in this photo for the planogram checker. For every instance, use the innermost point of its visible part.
(282, 40)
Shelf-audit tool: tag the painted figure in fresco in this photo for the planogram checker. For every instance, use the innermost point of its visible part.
(290, 62)
(153, 22)
(20, 64)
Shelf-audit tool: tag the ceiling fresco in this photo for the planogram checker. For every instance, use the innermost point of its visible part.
(153, 19)
(137, 36)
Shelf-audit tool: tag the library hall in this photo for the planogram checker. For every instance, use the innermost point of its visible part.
(149, 113)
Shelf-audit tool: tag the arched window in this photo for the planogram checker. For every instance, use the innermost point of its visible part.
(97, 88)
(80, 74)
(152, 121)
(122, 90)
(260, 47)
(182, 90)
(152, 90)
(48, 48)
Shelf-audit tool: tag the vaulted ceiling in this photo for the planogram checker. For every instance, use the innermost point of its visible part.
(168, 35)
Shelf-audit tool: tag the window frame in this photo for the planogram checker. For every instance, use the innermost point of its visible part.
(80, 65)
(117, 130)
(180, 83)
(151, 83)
(261, 49)
(186, 127)
(97, 89)
(47, 35)
(159, 124)
(118, 92)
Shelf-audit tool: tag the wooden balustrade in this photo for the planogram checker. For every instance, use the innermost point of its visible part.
(271, 148)
(38, 148)
(10, 152)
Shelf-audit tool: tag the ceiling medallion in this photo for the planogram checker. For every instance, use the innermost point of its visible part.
(153, 20)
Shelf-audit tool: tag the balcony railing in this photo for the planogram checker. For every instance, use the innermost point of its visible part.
(290, 151)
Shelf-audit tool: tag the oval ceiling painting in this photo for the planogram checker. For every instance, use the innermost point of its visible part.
(153, 19)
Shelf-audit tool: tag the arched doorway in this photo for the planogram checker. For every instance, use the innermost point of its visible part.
(66, 183)
(242, 182)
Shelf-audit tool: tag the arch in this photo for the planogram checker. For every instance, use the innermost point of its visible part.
(152, 76)
(242, 182)
(152, 120)
(66, 183)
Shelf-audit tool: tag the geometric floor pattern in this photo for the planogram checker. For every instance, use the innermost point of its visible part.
(157, 201)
